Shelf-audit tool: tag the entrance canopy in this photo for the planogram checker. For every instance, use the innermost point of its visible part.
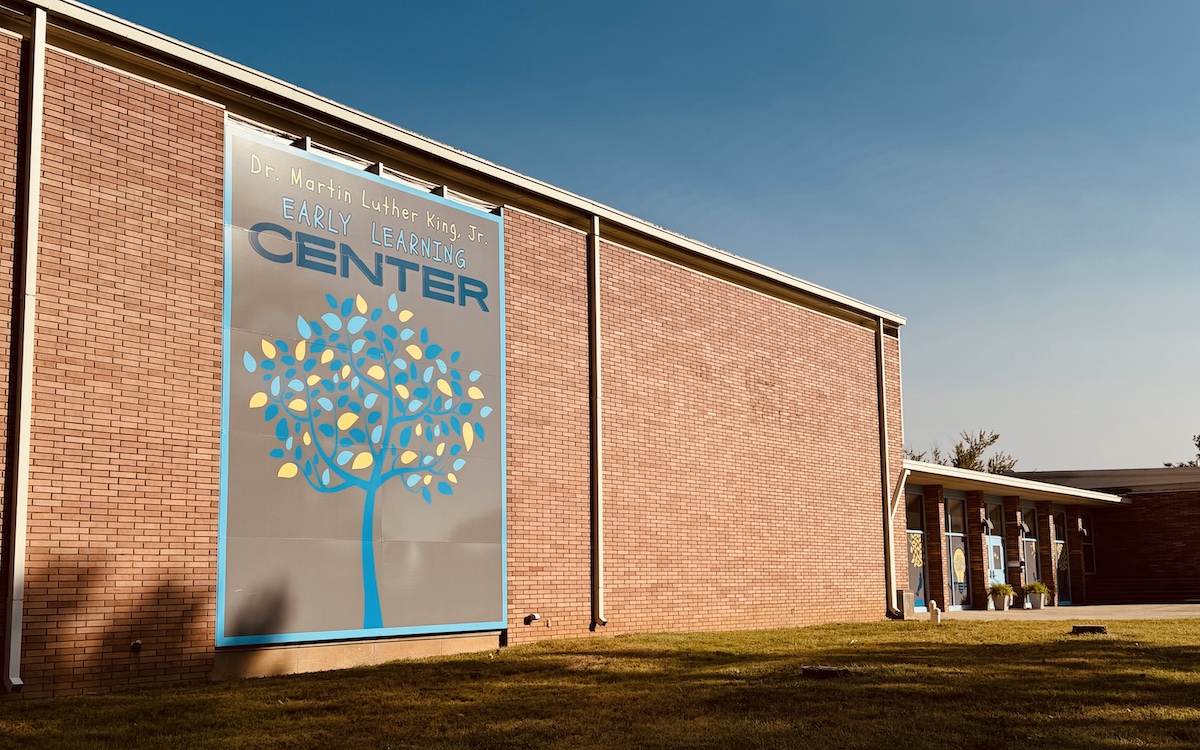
(1006, 485)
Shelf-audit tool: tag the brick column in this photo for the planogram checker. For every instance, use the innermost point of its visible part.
(935, 546)
(1075, 550)
(1045, 520)
(977, 549)
(1015, 575)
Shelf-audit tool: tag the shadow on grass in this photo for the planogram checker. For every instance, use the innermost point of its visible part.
(965, 685)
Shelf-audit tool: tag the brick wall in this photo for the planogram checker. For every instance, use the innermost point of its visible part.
(741, 456)
(549, 500)
(126, 402)
(1147, 551)
(10, 95)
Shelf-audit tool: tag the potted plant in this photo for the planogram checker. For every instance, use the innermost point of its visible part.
(1036, 591)
(1000, 593)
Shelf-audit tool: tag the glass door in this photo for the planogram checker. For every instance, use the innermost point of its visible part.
(956, 547)
(1062, 560)
(997, 573)
(1029, 545)
(915, 511)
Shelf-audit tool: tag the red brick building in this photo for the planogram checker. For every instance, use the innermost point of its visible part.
(662, 470)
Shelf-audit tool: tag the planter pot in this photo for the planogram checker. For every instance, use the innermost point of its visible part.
(1000, 602)
(1037, 601)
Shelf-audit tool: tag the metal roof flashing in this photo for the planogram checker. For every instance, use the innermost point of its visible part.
(75, 25)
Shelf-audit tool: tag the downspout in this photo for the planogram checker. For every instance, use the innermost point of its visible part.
(889, 565)
(597, 454)
(17, 490)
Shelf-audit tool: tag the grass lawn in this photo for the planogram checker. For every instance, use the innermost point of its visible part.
(964, 684)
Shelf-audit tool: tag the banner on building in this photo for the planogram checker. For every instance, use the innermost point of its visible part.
(362, 488)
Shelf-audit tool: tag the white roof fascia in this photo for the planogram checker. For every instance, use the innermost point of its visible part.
(1015, 485)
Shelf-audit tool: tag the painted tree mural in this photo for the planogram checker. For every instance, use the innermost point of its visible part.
(362, 398)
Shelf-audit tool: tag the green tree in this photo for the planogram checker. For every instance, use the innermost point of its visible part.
(1194, 463)
(968, 453)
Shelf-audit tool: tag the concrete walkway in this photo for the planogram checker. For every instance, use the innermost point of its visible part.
(1097, 613)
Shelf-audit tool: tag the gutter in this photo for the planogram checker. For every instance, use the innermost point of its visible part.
(885, 471)
(16, 511)
(597, 453)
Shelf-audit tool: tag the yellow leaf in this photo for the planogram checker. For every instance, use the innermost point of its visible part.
(326, 356)
(444, 387)
(453, 479)
(298, 404)
(345, 371)
(346, 421)
(441, 447)
(474, 392)
(300, 350)
(361, 304)
(314, 379)
(402, 391)
(405, 316)
(428, 478)
(258, 400)
(268, 348)
(419, 429)
(376, 372)
(287, 471)
(414, 351)
(362, 460)
(407, 457)
(468, 436)
(307, 438)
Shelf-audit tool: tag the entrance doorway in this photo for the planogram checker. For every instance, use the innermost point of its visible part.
(1029, 545)
(1062, 560)
(915, 512)
(956, 548)
(997, 573)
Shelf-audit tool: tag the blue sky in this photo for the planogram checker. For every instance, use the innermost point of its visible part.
(1019, 179)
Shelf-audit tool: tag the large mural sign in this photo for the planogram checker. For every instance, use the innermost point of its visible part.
(362, 488)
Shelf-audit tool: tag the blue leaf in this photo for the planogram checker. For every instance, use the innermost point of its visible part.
(425, 494)
(296, 386)
(298, 453)
(275, 387)
(479, 431)
(290, 441)
(459, 464)
(421, 392)
(464, 409)
(332, 321)
(325, 403)
(405, 436)
(376, 314)
(455, 450)
(356, 324)
(325, 477)
(302, 327)
(485, 411)
(427, 460)
(281, 430)
(428, 374)
(392, 305)
(269, 414)
(332, 301)
(376, 434)
(249, 362)
(456, 389)
(373, 417)
(370, 400)
(374, 352)
(291, 373)
(433, 350)
(424, 335)
(345, 442)
(344, 457)
(326, 430)
(441, 366)
(454, 357)
(475, 375)
(412, 480)
(445, 488)
(388, 346)
(369, 334)
(267, 364)
(343, 400)
(402, 378)
(358, 345)
(414, 405)
(358, 435)
(309, 364)
(456, 424)
(276, 453)
(347, 306)
(406, 334)
(389, 330)
(288, 360)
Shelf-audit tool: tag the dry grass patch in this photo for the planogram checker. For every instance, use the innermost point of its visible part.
(964, 684)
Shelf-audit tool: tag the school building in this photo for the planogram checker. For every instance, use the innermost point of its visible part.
(291, 388)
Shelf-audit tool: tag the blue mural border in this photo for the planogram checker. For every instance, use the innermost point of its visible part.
(226, 327)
